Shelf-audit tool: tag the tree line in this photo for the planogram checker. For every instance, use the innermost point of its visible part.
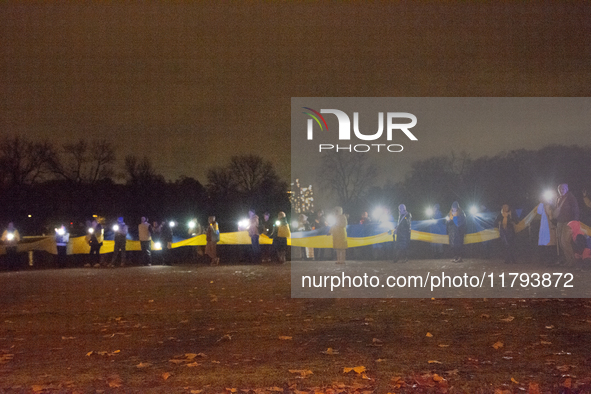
(76, 180)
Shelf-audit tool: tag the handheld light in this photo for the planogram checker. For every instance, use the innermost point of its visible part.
(116, 228)
(331, 220)
(549, 195)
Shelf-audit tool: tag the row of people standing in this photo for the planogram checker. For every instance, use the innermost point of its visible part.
(278, 231)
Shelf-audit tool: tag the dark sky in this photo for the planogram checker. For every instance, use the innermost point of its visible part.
(189, 85)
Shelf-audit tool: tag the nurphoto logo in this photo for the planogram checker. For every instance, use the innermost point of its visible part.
(392, 124)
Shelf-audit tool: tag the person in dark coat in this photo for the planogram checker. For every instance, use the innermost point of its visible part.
(564, 211)
(505, 223)
(402, 234)
(166, 242)
(456, 229)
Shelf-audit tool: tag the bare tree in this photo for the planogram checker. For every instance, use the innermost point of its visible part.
(250, 173)
(140, 171)
(82, 162)
(24, 162)
(249, 180)
(349, 176)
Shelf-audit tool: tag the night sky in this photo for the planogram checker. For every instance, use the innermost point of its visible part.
(190, 85)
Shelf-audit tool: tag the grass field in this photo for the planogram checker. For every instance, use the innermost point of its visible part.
(200, 329)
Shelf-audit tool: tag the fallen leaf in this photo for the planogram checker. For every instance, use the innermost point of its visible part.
(514, 381)
(397, 382)
(4, 358)
(429, 335)
(114, 381)
(549, 327)
(196, 391)
(89, 353)
(434, 362)
(442, 345)
(508, 319)
(302, 372)
(191, 365)
(37, 388)
(485, 316)
(143, 365)
(359, 369)
(285, 338)
(545, 343)
(166, 375)
(330, 351)
(437, 378)
(497, 345)
(379, 360)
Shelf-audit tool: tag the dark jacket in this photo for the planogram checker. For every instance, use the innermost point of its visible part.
(567, 209)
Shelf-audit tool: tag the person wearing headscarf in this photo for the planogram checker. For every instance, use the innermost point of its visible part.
(505, 223)
(339, 235)
(456, 229)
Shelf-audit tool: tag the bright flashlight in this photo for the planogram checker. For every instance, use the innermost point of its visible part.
(379, 213)
(10, 236)
(243, 224)
(60, 231)
(90, 230)
(192, 224)
(331, 220)
(171, 224)
(295, 224)
(278, 223)
(116, 228)
(549, 195)
(473, 210)
(157, 245)
(429, 212)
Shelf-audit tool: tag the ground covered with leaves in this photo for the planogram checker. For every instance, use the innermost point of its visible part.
(200, 329)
